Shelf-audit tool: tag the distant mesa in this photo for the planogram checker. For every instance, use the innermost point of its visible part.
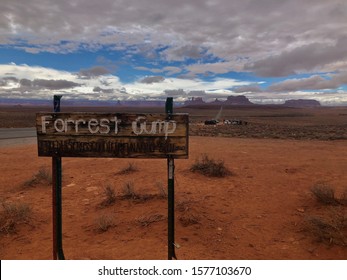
(302, 103)
(231, 100)
(140, 103)
(238, 100)
(195, 101)
(217, 102)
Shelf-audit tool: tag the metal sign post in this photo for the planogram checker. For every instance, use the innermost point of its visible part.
(171, 191)
(58, 253)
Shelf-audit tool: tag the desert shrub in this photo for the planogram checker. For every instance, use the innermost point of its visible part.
(149, 219)
(104, 222)
(43, 175)
(109, 196)
(13, 214)
(129, 190)
(332, 230)
(343, 199)
(324, 194)
(161, 189)
(210, 167)
(130, 168)
(188, 219)
(188, 215)
(182, 205)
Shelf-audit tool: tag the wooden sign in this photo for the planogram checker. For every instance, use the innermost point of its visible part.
(112, 135)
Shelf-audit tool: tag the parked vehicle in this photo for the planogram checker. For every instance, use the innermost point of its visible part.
(211, 122)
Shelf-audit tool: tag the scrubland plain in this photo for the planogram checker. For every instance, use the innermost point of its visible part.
(117, 208)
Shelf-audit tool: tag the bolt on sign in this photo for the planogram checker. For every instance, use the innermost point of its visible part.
(114, 135)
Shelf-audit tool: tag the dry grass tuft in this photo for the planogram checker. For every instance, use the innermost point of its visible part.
(189, 216)
(161, 189)
(188, 219)
(343, 199)
(182, 205)
(130, 168)
(331, 225)
(210, 167)
(145, 221)
(43, 176)
(12, 215)
(324, 194)
(104, 222)
(109, 196)
(129, 190)
(332, 230)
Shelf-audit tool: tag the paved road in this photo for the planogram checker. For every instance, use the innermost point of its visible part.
(15, 136)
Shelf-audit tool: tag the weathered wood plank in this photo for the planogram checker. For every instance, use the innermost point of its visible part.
(112, 135)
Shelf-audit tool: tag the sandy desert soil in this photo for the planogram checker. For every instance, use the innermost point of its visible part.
(259, 212)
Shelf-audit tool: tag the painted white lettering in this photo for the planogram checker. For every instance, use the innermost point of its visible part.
(104, 124)
(160, 126)
(167, 130)
(135, 125)
(93, 123)
(77, 124)
(62, 124)
(44, 122)
(116, 122)
(140, 126)
(67, 123)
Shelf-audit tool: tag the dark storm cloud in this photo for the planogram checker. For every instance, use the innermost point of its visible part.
(7, 80)
(175, 92)
(250, 88)
(53, 84)
(312, 83)
(25, 83)
(197, 93)
(180, 53)
(12, 79)
(152, 79)
(93, 72)
(301, 59)
(102, 90)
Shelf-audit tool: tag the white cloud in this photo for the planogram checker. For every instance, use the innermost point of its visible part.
(21, 80)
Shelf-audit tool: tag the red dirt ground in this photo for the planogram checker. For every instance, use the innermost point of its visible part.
(260, 212)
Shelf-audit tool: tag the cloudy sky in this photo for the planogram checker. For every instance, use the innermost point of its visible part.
(268, 50)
